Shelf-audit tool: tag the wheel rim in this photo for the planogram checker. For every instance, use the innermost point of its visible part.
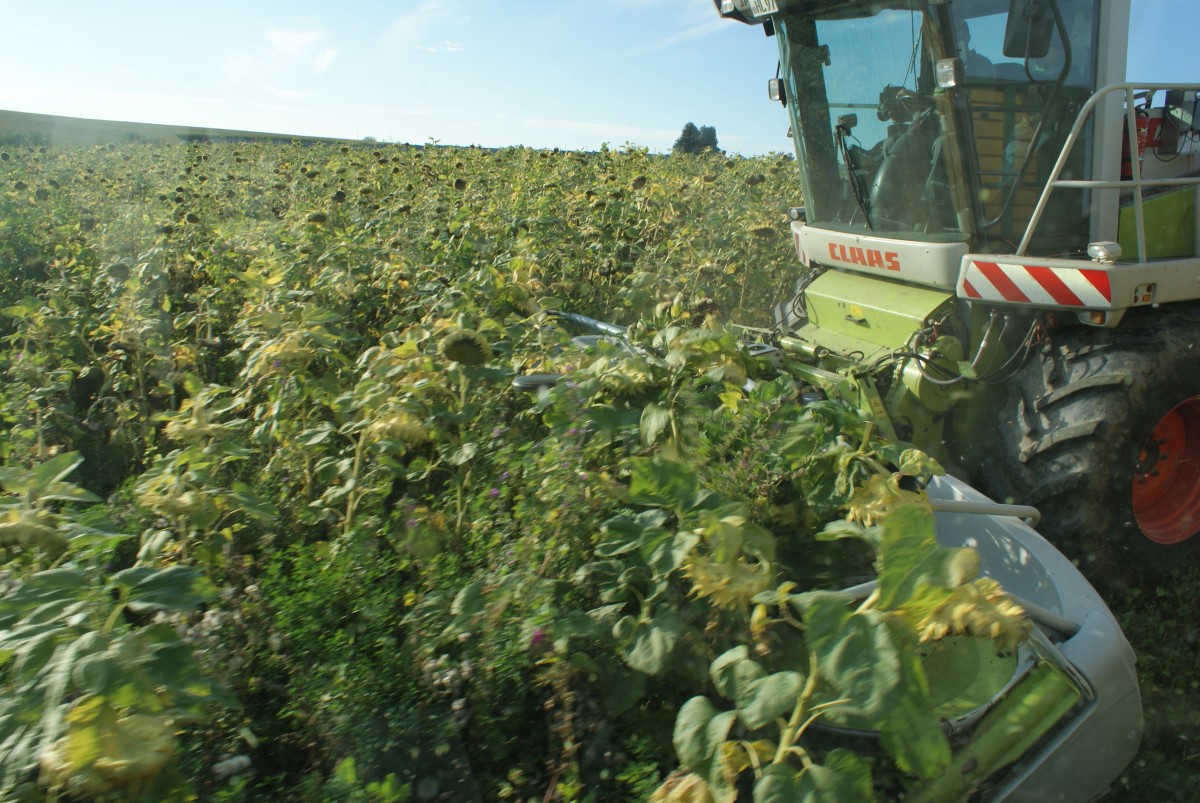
(1166, 480)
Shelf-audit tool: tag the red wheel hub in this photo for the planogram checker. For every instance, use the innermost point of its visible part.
(1166, 480)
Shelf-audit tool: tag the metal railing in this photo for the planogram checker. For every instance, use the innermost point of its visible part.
(1136, 183)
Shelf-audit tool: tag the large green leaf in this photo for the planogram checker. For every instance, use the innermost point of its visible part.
(655, 418)
(700, 730)
(175, 588)
(910, 558)
(843, 778)
(770, 698)
(653, 642)
(872, 660)
(779, 783)
(38, 480)
(733, 674)
(51, 591)
(662, 483)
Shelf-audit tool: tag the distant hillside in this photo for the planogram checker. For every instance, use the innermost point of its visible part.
(27, 128)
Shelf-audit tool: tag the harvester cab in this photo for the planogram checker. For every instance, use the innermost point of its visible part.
(999, 248)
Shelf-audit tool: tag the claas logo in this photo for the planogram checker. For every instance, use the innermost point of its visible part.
(867, 257)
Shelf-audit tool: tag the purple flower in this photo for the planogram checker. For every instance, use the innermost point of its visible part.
(583, 475)
(504, 477)
(494, 493)
(536, 637)
(411, 523)
(572, 431)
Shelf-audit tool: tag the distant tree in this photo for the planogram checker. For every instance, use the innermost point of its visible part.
(689, 140)
(696, 140)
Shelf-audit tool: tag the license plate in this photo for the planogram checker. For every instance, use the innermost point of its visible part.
(761, 8)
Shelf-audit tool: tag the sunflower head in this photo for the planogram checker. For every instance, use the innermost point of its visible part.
(728, 585)
(400, 426)
(465, 346)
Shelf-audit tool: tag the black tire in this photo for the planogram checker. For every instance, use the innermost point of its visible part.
(1073, 429)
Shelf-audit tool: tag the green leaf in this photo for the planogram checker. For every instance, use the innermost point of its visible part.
(316, 436)
(469, 600)
(54, 470)
(98, 673)
(842, 529)
(910, 727)
(655, 419)
(734, 674)
(700, 730)
(654, 641)
(915, 463)
(56, 588)
(662, 483)
(622, 535)
(770, 698)
(843, 778)
(249, 503)
(464, 454)
(910, 557)
(175, 588)
(873, 660)
(66, 492)
(779, 783)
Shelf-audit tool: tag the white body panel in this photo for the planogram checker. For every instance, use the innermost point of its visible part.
(1097, 741)
(929, 264)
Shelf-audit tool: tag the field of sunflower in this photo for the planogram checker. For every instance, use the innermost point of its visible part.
(275, 523)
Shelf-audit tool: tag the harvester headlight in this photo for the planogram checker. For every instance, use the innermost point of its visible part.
(1104, 252)
(946, 72)
(775, 90)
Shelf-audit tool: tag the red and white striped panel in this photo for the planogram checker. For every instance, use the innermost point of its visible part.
(1037, 284)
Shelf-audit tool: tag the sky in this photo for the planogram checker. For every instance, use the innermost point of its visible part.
(572, 74)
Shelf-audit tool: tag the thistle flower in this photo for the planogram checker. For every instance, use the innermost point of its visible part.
(465, 346)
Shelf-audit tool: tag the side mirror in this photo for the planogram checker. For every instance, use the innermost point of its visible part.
(1029, 30)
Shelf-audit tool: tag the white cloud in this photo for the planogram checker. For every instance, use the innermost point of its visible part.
(693, 32)
(444, 47)
(292, 44)
(420, 28)
(323, 61)
(282, 53)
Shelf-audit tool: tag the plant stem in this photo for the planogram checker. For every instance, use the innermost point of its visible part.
(354, 495)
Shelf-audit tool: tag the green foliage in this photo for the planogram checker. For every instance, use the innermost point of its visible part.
(289, 375)
(696, 140)
(93, 683)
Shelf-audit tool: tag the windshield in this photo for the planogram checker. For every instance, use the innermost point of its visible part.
(918, 120)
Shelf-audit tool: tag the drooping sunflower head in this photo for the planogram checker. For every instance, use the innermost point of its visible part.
(465, 346)
(728, 585)
(400, 426)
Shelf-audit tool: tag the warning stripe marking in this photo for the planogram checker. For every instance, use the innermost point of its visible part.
(1055, 286)
(1037, 284)
(1099, 280)
(1001, 282)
